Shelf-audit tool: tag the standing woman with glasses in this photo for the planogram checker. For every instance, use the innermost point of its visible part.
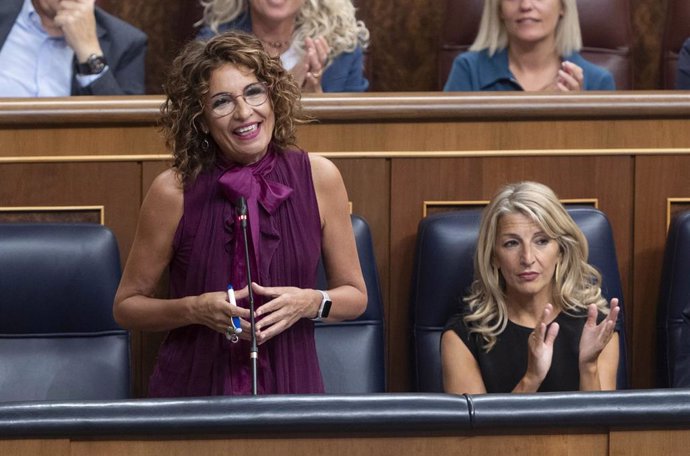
(319, 41)
(229, 117)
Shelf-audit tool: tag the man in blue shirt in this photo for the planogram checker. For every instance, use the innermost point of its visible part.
(68, 47)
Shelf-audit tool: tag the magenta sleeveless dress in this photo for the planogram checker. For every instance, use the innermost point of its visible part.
(285, 246)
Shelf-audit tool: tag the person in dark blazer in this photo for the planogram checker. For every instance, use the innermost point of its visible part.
(61, 48)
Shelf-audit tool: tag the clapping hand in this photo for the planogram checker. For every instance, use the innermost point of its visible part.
(595, 336)
(309, 71)
(570, 77)
(540, 346)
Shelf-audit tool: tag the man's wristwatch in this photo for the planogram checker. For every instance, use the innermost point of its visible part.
(95, 64)
(325, 307)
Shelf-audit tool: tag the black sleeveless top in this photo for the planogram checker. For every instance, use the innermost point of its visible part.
(506, 363)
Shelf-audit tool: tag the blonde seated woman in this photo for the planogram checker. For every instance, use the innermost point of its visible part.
(535, 319)
(319, 41)
(529, 45)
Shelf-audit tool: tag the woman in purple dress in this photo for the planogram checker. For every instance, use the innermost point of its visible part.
(229, 118)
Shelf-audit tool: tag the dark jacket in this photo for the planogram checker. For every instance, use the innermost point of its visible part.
(123, 45)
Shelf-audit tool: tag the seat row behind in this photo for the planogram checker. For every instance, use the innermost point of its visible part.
(58, 339)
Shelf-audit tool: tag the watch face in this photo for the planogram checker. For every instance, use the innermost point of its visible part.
(96, 64)
(326, 308)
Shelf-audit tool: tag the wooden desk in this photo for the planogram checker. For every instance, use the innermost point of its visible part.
(401, 155)
(631, 423)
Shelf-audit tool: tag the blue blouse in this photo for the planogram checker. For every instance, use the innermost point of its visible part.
(344, 74)
(475, 71)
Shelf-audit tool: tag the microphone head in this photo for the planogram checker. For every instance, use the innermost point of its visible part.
(242, 205)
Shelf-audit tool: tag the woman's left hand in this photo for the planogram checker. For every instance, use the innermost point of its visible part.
(570, 77)
(283, 308)
(317, 50)
(595, 337)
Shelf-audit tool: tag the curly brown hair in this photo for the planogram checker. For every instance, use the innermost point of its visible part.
(188, 84)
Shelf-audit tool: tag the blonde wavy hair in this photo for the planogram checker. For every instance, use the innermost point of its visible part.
(576, 283)
(333, 19)
(492, 33)
(188, 84)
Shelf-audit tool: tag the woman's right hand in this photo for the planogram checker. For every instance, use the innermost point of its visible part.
(540, 355)
(215, 311)
(570, 77)
(309, 70)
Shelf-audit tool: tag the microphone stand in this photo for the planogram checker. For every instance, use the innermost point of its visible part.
(254, 350)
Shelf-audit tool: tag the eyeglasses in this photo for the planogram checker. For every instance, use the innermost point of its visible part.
(254, 94)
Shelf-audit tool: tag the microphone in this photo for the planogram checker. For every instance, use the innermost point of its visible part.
(254, 350)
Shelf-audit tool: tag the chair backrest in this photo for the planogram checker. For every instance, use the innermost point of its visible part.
(351, 353)
(458, 32)
(676, 31)
(606, 35)
(58, 339)
(443, 272)
(673, 323)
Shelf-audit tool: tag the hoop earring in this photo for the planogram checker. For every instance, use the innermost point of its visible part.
(557, 273)
(205, 144)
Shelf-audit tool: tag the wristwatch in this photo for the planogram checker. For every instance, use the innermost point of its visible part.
(325, 307)
(95, 64)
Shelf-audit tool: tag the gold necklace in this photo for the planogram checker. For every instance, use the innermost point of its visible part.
(276, 45)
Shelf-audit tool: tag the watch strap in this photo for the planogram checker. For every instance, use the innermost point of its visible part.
(95, 64)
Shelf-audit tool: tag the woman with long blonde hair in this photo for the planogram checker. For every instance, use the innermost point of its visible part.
(535, 319)
(319, 41)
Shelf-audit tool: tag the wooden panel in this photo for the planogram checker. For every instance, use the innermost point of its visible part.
(629, 442)
(53, 214)
(115, 186)
(368, 186)
(52, 142)
(499, 138)
(645, 442)
(413, 181)
(38, 447)
(556, 445)
(657, 178)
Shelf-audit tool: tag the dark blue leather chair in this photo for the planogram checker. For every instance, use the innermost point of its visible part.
(58, 339)
(673, 323)
(351, 353)
(443, 272)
